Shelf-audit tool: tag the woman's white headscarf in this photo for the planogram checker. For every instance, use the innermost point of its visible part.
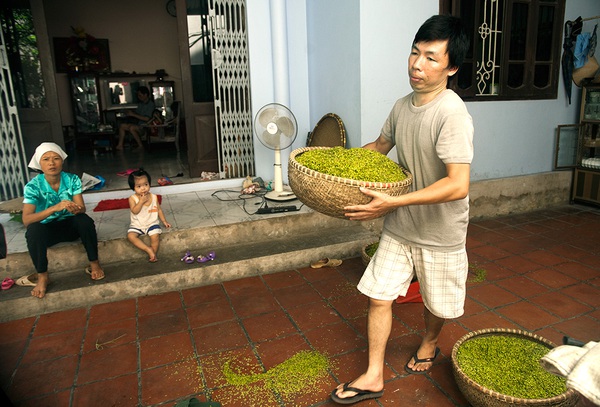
(43, 149)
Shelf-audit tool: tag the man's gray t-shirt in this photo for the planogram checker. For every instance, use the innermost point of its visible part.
(427, 138)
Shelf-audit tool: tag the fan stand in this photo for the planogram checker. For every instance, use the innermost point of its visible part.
(279, 193)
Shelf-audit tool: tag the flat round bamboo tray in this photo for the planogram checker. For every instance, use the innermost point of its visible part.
(329, 194)
(480, 396)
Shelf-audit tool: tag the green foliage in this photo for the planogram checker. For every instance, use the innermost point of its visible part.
(23, 56)
(509, 365)
(355, 163)
(371, 249)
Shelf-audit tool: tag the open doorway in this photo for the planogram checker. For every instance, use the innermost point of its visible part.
(215, 59)
(216, 127)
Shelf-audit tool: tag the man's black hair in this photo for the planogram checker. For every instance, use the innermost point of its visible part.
(445, 27)
(136, 174)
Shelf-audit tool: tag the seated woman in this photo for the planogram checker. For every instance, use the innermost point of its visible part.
(53, 212)
(136, 118)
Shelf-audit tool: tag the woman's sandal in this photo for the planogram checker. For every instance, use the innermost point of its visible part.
(210, 256)
(7, 283)
(188, 258)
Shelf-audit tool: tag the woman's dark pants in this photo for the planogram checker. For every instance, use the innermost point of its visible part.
(41, 236)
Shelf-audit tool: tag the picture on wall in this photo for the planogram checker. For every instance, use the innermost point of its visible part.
(87, 54)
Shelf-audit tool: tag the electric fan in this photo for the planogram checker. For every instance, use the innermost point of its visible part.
(276, 128)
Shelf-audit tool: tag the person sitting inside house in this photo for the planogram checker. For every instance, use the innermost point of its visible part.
(136, 118)
(54, 212)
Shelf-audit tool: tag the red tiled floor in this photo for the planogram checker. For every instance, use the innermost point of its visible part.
(43, 348)
(110, 334)
(492, 296)
(165, 349)
(268, 326)
(107, 362)
(522, 286)
(156, 350)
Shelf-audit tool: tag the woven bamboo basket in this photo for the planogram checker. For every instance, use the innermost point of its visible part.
(363, 253)
(329, 194)
(480, 396)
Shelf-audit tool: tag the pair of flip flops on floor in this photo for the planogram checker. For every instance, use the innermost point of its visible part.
(189, 258)
(367, 394)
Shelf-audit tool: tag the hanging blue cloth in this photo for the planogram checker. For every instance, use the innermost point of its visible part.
(582, 48)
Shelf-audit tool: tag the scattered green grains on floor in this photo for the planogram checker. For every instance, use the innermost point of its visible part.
(509, 365)
(297, 374)
(479, 274)
(354, 163)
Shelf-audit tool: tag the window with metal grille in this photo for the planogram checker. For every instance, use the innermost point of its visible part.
(515, 48)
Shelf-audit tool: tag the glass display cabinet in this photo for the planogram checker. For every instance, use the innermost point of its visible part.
(86, 102)
(578, 147)
(586, 176)
(90, 128)
(163, 93)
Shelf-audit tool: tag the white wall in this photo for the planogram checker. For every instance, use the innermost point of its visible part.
(511, 138)
(334, 51)
(262, 74)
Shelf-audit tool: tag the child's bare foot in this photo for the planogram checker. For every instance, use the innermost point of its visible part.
(151, 255)
(39, 290)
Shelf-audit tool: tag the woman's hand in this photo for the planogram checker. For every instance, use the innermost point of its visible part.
(69, 206)
(380, 205)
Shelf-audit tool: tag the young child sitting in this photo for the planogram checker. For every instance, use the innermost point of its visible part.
(145, 214)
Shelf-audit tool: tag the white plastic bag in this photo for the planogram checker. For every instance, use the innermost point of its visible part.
(88, 181)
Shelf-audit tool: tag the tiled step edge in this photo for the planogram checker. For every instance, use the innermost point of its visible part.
(69, 256)
(134, 278)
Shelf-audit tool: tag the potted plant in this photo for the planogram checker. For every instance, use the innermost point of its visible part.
(368, 251)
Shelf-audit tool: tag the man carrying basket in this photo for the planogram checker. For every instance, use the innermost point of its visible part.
(424, 230)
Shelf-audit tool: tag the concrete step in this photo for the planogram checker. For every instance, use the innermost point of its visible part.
(244, 249)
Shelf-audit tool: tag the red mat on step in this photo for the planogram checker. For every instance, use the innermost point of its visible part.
(112, 204)
(412, 295)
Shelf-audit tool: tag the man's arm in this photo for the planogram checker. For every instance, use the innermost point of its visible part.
(454, 186)
(382, 145)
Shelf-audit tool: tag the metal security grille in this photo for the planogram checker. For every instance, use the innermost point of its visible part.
(13, 167)
(487, 67)
(231, 84)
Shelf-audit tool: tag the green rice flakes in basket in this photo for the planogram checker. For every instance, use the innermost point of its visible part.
(354, 163)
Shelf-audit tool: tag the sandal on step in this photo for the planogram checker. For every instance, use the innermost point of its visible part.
(88, 271)
(7, 283)
(210, 256)
(188, 258)
(326, 262)
(25, 281)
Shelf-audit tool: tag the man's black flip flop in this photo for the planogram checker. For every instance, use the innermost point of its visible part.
(359, 396)
(425, 360)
